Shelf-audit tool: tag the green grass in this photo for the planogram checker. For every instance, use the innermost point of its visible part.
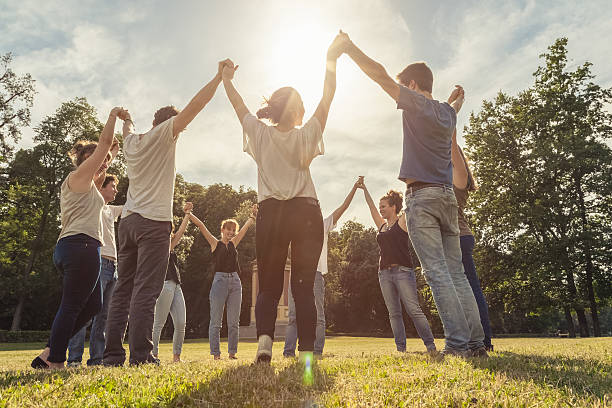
(356, 372)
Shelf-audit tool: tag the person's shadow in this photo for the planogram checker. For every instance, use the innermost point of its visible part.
(584, 377)
(257, 386)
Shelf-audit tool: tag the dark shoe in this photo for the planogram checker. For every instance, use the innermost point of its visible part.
(150, 360)
(39, 363)
(489, 348)
(480, 352)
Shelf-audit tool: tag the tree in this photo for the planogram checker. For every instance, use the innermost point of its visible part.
(545, 175)
(35, 177)
(16, 99)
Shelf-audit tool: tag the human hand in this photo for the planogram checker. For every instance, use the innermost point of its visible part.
(457, 93)
(222, 65)
(360, 183)
(228, 70)
(188, 207)
(117, 111)
(337, 47)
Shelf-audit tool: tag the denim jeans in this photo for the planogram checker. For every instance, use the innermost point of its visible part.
(291, 333)
(170, 300)
(431, 215)
(280, 223)
(77, 257)
(76, 345)
(467, 247)
(398, 285)
(226, 289)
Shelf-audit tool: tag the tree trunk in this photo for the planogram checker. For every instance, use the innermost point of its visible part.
(583, 325)
(570, 321)
(588, 257)
(16, 324)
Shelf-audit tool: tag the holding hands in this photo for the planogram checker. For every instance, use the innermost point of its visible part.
(188, 207)
(457, 98)
(227, 69)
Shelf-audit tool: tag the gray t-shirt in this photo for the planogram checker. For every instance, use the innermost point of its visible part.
(428, 130)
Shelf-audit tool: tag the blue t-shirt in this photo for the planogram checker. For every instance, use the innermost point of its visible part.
(428, 131)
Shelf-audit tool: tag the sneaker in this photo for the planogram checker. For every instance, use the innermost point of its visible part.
(264, 350)
(150, 360)
(74, 364)
(480, 352)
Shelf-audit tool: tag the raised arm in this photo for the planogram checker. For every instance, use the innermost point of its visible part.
(236, 240)
(232, 94)
(371, 68)
(212, 241)
(329, 85)
(199, 101)
(347, 201)
(179, 233)
(378, 219)
(80, 180)
(456, 98)
(460, 174)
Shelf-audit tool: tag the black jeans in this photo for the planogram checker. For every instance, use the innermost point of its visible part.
(144, 250)
(77, 257)
(279, 223)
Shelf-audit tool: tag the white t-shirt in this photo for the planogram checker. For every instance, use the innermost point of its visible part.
(328, 225)
(151, 169)
(110, 213)
(283, 158)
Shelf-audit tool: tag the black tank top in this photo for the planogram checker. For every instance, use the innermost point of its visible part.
(395, 247)
(226, 258)
(172, 273)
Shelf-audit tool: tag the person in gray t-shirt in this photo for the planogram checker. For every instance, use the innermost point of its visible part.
(431, 206)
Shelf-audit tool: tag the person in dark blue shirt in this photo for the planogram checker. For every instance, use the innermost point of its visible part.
(431, 206)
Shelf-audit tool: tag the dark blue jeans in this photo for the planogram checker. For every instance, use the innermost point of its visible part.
(77, 258)
(467, 248)
(76, 345)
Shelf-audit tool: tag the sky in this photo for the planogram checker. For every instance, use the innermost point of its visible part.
(146, 54)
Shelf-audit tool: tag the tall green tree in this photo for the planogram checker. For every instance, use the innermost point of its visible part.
(16, 99)
(545, 175)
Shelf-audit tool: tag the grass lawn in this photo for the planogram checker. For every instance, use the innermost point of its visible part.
(355, 372)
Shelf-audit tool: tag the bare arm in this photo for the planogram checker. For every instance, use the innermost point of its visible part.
(347, 201)
(232, 94)
(199, 101)
(212, 241)
(378, 219)
(372, 69)
(179, 233)
(236, 240)
(402, 222)
(460, 174)
(80, 180)
(329, 85)
(456, 98)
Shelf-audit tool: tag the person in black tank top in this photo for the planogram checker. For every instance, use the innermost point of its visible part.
(171, 299)
(226, 288)
(396, 268)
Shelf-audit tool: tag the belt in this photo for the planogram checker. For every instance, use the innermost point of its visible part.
(109, 258)
(305, 200)
(418, 185)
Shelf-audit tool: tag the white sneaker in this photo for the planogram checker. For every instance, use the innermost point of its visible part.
(264, 349)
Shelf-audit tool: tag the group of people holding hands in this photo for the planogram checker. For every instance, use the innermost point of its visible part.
(432, 230)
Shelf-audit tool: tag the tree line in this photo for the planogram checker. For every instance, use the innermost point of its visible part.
(542, 214)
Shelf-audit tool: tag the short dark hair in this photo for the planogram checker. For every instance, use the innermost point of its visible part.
(393, 198)
(109, 178)
(418, 72)
(163, 114)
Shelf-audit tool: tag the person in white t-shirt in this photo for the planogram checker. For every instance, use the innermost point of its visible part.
(329, 224)
(144, 230)
(108, 277)
(289, 211)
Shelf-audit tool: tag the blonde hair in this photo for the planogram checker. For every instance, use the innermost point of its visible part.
(225, 223)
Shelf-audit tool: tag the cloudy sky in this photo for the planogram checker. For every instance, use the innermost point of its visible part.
(147, 54)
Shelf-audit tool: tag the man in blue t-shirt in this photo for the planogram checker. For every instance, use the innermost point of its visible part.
(431, 206)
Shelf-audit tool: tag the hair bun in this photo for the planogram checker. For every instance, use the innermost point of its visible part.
(265, 112)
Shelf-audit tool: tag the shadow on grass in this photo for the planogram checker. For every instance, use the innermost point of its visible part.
(258, 386)
(24, 377)
(21, 346)
(582, 376)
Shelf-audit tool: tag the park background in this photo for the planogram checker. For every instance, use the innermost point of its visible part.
(540, 145)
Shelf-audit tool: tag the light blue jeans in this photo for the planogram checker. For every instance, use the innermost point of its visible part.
(291, 335)
(170, 300)
(76, 345)
(398, 285)
(226, 289)
(431, 215)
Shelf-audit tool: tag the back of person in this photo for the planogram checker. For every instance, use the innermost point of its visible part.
(81, 212)
(151, 169)
(283, 158)
(428, 129)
